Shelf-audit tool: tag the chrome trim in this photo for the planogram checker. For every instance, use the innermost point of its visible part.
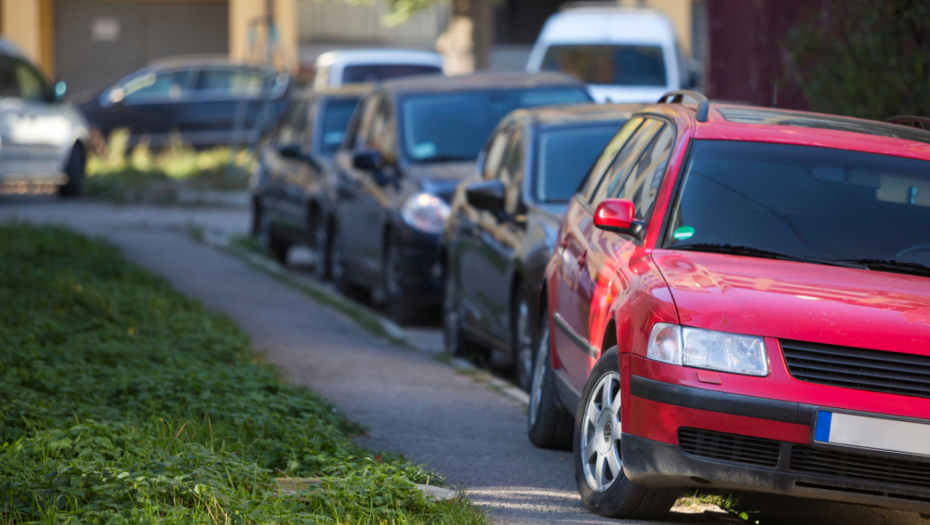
(576, 338)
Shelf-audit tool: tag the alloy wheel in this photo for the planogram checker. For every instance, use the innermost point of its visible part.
(600, 434)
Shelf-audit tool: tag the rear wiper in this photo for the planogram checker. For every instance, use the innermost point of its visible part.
(752, 251)
(891, 265)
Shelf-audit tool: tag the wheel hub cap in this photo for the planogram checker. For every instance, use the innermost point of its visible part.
(600, 434)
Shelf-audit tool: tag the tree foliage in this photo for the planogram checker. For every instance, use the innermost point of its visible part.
(865, 58)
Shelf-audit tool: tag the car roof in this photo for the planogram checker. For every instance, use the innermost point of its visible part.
(478, 82)
(578, 113)
(379, 56)
(760, 124)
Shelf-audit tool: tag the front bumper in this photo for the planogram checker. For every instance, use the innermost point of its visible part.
(717, 440)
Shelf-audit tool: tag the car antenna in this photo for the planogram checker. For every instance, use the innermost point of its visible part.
(775, 96)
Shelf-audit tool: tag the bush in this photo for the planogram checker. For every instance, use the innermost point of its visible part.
(123, 401)
(865, 58)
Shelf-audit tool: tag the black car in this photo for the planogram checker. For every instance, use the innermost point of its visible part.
(205, 101)
(412, 140)
(292, 186)
(504, 221)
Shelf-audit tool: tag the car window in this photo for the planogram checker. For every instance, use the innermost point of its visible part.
(233, 83)
(610, 182)
(563, 156)
(336, 117)
(623, 65)
(380, 136)
(368, 113)
(30, 83)
(511, 172)
(495, 153)
(596, 173)
(641, 184)
(291, 122)
(378, 72)
(157, 86)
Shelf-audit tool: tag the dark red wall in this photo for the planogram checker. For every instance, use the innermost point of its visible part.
(747, 49)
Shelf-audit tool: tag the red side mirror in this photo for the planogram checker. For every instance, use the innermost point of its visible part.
(616, 215)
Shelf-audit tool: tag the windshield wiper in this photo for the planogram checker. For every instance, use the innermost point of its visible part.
(752, 251)
(891, 265)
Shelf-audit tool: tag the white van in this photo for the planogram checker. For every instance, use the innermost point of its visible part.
(623, 54)
(355, 66)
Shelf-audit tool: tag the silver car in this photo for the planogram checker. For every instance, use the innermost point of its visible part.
(43, 140)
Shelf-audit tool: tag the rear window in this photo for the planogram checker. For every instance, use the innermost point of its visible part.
(378, 72)
(624, 65)
(565, 155)
(336, 117)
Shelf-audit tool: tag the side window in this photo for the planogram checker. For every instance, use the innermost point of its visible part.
(291, 122)
(511, 173)
(231, 83)
(31, 86)
(642, 184)
(589, 185)
(368, 113)
(381, 130)
(157, 86)
(496, 151)
(622, 163)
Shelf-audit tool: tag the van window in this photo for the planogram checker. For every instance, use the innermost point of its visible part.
(609, 64)
(378, 72)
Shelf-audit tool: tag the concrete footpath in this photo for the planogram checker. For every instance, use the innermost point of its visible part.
(410, 402)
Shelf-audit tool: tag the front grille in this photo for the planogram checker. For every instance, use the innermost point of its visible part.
(876, 371)
(729, 447)
(858, 467)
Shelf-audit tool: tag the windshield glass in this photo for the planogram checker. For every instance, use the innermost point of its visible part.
(627, 65)
(336, 119)
(454, 126)
(564, 157)
(376, 72)
(805, 201)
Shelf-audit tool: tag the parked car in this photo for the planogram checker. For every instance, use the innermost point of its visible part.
(623, 54)
(739, 300)
(293, 183)
(43, 140)
(202, 101)
(352, 66)
(503, 224)
(411, 141)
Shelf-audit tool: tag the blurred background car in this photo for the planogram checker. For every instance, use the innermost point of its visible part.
(336, 68)
(292, 201)
(409, 145)
(202, 101)
(503, 224)
(623, 54)
(43, 141)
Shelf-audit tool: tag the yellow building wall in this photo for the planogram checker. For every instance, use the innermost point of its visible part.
(241, 15)
(22, 24)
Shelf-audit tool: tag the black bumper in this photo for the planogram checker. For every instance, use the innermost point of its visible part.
(656, 464)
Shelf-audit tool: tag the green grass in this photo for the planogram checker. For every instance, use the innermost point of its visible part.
(121, 401)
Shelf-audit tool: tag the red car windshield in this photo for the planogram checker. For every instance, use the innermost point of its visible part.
(804, 201)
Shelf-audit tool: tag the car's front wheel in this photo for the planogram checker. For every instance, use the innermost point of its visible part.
(451, 320)
(399, 306)
(75, 170)
(548, 424)
(323, 248)
(271, 244)
(605, 489)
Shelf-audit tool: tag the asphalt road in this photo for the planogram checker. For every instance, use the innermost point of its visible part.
(410, 402)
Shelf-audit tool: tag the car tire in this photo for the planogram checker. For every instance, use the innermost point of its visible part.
(270, 242)
(521, 340)
(323, 256)
(75, 169)
(548, 424)
(340, 273)
(256, 226)
(604, 488)
(451, 316)
(399, 306)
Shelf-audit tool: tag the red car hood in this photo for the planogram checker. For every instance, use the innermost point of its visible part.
(806, 302)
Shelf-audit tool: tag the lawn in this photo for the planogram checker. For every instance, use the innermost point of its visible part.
(121, 401)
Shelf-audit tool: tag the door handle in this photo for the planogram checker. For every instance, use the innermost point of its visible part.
(583, 259)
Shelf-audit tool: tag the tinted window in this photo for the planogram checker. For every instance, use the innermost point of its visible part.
(642, 183)
(806, 201)
(610, 183)
(609, 64)
(454, 126)
(336, 117)
(167, 85)
(377, 72)
(230, 83)
(564, 157)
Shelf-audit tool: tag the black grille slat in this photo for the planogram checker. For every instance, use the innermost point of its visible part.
(729, 447)
(859, 369)
(851, 466)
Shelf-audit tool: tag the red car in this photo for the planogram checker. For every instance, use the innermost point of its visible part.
(739, 299)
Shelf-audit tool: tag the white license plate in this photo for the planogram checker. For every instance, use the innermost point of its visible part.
(874, 433)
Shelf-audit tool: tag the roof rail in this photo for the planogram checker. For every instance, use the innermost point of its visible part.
(911, 121)
(703, 104)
